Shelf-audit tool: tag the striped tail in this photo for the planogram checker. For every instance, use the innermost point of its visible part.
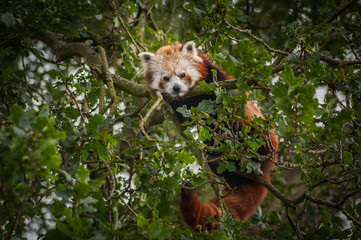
(196, 213)
(242, 203)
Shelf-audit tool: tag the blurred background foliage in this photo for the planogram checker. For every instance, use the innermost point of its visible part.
(75, 163)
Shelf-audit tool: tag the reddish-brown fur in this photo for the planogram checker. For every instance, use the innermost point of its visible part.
(242, 203)
(247, 195)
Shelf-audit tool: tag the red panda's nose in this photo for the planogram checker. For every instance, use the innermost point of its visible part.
(176, 88)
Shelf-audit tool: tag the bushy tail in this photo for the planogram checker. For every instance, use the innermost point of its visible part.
(245, 199)
(242, 203)
(196, 213)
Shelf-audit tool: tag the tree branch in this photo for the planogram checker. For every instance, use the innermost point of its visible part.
(327, 59)
(93, 58)
(344, 5)
(248, 32)
(141, 125)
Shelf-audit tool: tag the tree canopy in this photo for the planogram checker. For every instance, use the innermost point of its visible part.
(87, 151)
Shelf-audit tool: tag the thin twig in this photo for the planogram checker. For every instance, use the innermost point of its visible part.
(132, 114)
(112, 180)
(257, 39)
(129, 208)
(295, 227)
(130, 35)
(147, 115)
(75, 101)
(347, 88)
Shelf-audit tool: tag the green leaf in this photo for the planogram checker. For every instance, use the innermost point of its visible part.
(20, 133)
(288, 76)
(67, 176)
(38, 53)
(247, 51)
(27, 119)
(83, 174)
(163, 207)
(8, 19)
(347, 158)
(95, 184)
(44, 111)
(231, 166)
(103, 125)
(290, 43)
(94, 122)
(71, 112)
(316, 173)
(204, 134)
(8, 61)
(185, 157)
(64, 192)
(15, 113)
(254, 167)
(305, 177)
(221, 168)
(63, 228)
(344, 116)
(143, 223)
(54, 161)
(293, 58)
(159, 231)
(207, 106)
(326, 216)
(274, 218)
(99, 148)
(84, 154)
(184, 111)
(73, 24)
(241, 84)
(88, 203)
(207, 87)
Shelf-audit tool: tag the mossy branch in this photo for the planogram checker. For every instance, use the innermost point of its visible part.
(95, 58)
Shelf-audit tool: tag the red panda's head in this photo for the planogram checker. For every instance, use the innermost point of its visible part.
(173, 70)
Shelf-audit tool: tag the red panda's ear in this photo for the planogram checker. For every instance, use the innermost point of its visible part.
(190, 48)
(146, 58)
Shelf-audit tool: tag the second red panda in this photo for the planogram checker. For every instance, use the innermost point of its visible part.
(174, 71)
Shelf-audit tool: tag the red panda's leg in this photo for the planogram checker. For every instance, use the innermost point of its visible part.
(196, 213)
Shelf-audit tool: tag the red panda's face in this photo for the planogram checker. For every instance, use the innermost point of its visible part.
(172, 70)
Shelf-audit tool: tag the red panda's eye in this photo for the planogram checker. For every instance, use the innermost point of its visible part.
(182, 75)
(166, 79)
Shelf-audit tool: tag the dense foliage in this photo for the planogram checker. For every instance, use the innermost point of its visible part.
(85, 153)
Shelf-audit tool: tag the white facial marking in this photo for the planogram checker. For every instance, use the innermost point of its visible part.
(172, 65)
(176, 86)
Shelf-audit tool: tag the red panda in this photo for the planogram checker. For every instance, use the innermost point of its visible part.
(174, 71)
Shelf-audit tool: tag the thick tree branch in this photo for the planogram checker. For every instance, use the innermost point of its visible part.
(135, 89)
(344, 5)
(93, 58)
(337, 62)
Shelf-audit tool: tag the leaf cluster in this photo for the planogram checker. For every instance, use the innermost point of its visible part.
(75, 164)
